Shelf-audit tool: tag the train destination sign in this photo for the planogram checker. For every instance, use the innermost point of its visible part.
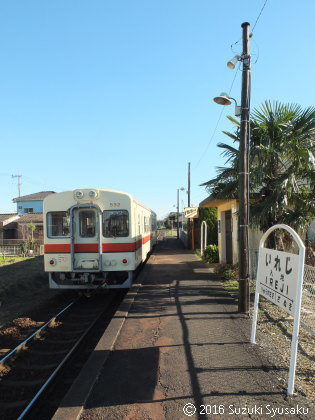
(277, 277)
(280, 280)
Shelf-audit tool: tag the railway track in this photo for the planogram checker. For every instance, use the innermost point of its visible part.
(33, 377)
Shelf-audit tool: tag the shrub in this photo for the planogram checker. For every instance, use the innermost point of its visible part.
(229, 272)
(211, 254)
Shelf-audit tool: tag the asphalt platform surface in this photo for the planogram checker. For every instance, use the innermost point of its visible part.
(183, 352)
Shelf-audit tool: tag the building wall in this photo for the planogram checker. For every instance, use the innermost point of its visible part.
(254, 235)
(37, 206)
(222, 208)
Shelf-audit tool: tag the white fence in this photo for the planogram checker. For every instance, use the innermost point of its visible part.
(10, 250)
(16, 250)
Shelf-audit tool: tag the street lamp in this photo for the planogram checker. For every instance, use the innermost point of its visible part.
(224, 99)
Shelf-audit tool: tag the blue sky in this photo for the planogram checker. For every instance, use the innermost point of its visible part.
(118, 94)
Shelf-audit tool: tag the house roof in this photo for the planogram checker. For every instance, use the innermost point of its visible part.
(215, 202)
(31, 218)
(7, 216)
(11, 225)
(33, 197)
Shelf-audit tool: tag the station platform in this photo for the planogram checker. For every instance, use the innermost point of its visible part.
(179, 349)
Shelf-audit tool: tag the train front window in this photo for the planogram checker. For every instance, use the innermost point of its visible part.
(58, 224)
(87, 222)
(115, 223)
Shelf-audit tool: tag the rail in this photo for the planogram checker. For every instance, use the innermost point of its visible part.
(58, 368)
(26, 380)
(35, 334)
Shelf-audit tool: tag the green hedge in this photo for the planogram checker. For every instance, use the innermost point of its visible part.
(211, 254)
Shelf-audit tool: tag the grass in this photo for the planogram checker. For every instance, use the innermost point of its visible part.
(231, 286)
(171, 232)
(6, 260)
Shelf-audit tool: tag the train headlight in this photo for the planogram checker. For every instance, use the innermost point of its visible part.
(79, 194)
(52, 261)
(93, 194)
(124, 261)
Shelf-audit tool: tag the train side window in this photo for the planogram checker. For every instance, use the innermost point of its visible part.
(58, 224)
(146, 224)
(115, 223)
(87, 223)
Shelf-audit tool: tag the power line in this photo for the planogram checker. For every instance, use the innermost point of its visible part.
(258, 17)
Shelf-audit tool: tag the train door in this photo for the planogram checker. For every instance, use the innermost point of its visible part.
(86, 245)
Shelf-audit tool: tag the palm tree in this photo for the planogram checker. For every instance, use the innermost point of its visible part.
(282, 166)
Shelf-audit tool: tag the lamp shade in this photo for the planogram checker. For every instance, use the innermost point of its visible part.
(223, 99)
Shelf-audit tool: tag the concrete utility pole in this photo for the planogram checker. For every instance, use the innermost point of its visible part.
(188, 184)
(189, 232)
(243, 301)
(19, 183)
(177, 213)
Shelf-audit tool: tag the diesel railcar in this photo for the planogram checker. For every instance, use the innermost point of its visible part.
(95, 238)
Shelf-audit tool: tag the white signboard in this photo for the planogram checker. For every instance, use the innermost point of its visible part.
(277, 277)
(280, 279)
(191, 212)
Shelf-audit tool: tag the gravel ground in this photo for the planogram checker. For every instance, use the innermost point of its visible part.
(26, 302)
(275, 327)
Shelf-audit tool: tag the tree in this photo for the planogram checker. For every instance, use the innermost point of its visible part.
(209, 215)
(31, 228)
(282, 163)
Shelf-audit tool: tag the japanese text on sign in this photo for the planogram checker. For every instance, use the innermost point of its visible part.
(277, 276)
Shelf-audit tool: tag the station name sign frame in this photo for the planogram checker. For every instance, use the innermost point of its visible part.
(191, 212)
(280, 280)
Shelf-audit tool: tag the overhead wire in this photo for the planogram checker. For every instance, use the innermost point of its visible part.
(258, 17)
(220, 116)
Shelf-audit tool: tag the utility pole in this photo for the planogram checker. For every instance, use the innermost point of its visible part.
(177, 213)
(188, 184)
(19, 183)
(243, 300)
(189, 232)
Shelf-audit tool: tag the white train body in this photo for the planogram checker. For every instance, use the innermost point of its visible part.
(95, 238)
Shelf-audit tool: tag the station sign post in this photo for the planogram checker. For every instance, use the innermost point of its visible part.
(280, 280)
(191, 213)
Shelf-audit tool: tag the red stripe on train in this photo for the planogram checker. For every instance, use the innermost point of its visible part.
(93, 248)
(57, 248)
(85, 247)
(127, 247)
